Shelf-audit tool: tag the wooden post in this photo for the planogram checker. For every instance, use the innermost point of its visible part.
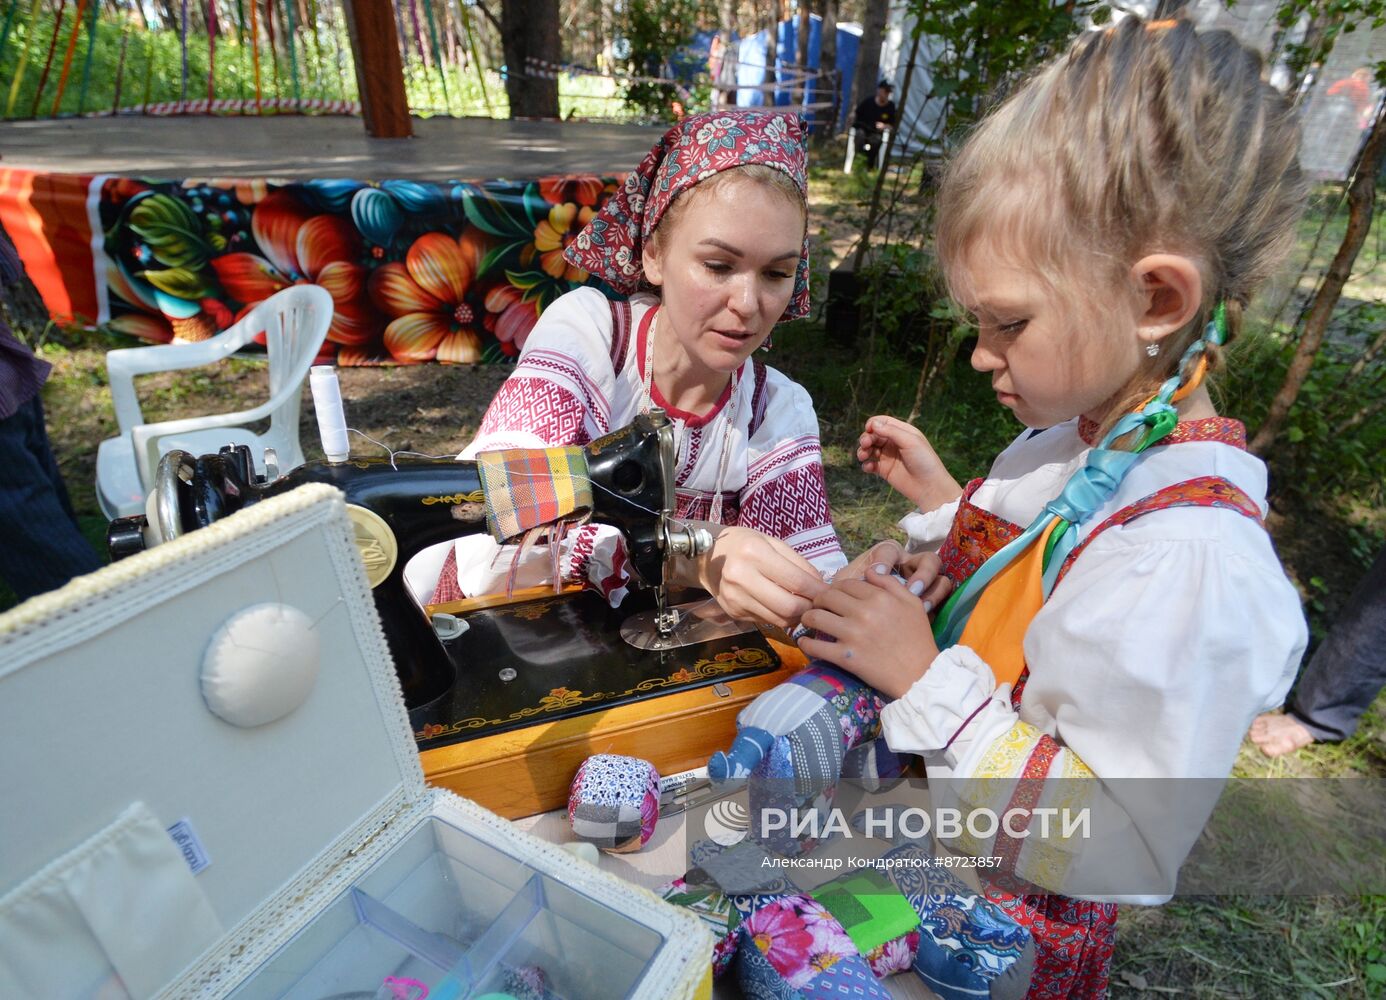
(379, 71)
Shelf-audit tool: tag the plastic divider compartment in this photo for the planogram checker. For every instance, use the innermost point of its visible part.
(449, 917)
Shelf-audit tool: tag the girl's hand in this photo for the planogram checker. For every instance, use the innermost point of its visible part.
(888, 553)
(883, 634)
(758, 578)
(901, 455)
(922, 571)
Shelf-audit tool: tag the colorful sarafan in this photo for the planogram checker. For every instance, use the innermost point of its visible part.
(453, 272)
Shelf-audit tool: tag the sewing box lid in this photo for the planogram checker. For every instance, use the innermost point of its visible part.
(103, 711)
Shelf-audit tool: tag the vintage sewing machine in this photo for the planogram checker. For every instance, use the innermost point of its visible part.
(508, 695)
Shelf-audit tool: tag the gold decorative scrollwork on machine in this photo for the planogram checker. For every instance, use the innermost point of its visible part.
(476, 496)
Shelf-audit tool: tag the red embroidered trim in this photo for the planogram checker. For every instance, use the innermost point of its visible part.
(620, 333)
(1224, 429)
(757, 399)
(788, 504)
(539, 407)
(1205, 491)
(1025, 796)
(974, 535)
(642, 339)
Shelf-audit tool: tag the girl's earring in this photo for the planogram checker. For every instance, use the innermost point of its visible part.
(1152, 349)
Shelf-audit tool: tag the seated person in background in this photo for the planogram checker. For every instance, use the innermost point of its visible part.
(708, 242)
(1342, 678)
(873, 116)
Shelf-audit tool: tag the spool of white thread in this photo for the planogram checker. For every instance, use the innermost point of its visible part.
(327, 401)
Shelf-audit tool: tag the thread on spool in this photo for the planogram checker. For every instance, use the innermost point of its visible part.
(327, 402)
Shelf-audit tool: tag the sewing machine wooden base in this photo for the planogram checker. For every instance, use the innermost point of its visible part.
(528, 769)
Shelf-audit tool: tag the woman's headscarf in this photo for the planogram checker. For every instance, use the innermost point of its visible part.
(693, 150)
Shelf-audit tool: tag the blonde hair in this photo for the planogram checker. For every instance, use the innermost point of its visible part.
(767, 176)
(1143, 138)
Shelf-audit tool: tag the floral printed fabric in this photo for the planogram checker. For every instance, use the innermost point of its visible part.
(856, 707)
(612, 243)
(452, 272)
(795, 943)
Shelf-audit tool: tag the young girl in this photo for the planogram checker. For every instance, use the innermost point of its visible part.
(708, 242)
(1120, 611)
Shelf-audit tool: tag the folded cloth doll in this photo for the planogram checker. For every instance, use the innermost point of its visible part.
(968, 946)
(794, 742)
(820, 713)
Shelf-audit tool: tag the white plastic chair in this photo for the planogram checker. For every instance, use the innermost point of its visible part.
(295, 322)
(852, 149)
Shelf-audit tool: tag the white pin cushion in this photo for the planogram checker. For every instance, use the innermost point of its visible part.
(261, 664)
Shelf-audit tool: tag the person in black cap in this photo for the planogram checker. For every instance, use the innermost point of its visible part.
(873, 116)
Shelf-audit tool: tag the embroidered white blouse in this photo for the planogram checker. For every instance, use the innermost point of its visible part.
(574, 383)
(1150, 659)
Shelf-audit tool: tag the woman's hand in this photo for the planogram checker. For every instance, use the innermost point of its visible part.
(901, 455)
(923, 571)
(881, 630)
(757, 578)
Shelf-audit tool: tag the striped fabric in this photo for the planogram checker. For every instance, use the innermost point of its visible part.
(529, 487)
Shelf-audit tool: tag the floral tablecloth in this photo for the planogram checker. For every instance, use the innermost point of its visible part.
(453, 272)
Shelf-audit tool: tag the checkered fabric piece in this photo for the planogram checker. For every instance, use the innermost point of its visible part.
(529, 487)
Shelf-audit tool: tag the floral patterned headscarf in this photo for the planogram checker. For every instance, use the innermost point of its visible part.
(693, 150)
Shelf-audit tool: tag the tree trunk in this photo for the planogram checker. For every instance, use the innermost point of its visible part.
(529, 29)
(1361, 200)
(170, 15)
(21, 307)
(869, 53)
(830, 87)
(771, 49)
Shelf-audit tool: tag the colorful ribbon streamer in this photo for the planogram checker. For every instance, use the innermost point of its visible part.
(48, 63)
(67, 55)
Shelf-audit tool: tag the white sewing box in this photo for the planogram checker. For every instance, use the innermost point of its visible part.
(209, 788)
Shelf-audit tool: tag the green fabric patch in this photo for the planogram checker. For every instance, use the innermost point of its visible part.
(869, 908)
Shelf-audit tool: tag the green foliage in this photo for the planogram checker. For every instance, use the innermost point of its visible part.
(1327, 19)
(654, 31)
(1252, 946)
(152, 71)
(974, 50)
(985, 44)
(1319, 454)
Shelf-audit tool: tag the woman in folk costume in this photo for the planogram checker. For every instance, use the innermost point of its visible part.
(707, 240)
(1119, 611)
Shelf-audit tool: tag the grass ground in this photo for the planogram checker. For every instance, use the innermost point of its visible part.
(1226, 946)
